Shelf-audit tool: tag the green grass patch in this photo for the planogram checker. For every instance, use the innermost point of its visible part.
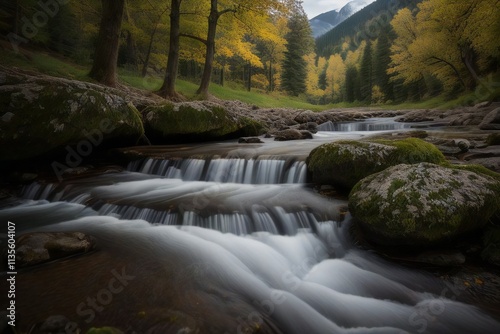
(60, 67)
(54, 65)
(441, 102)
(44, 63)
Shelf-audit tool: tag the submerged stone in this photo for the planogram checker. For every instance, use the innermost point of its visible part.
(423, 204)
(250, 140)
(292, 134)
(344, 163)
(35, 248)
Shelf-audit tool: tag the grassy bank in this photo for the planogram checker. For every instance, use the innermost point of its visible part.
(60, 67)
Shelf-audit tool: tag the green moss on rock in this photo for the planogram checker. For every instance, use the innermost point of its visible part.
(48, 114)
(493, 139)
(197, 121)
(478, 169)
(423, 204)
(411, 151)
(344, 163)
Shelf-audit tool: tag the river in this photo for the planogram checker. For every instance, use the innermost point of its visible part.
(221, 238)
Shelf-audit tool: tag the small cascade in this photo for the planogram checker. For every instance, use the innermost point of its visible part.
(37, 191)
(240, 209)
(227, 170)
(274, 221)
(244, 242)
(373, 124)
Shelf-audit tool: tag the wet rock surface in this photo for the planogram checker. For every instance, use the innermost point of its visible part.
(197, 121)
(36, 248)
(41, 114)
(292, 134)
(423, 205)
(344, 163)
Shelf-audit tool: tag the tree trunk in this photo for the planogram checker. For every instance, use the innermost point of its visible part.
(468, 60)
(148, 53)
(130, 54)
(167, 90)
(131, 47)
(271, 88)
(222, 76)
(150, 46)
(106, 53)
(249, 82)
(16, 18)
(210, 53)
(455, 70)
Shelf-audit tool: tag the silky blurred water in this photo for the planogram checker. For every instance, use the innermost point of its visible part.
(235, 242)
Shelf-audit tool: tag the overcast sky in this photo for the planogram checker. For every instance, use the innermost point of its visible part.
(316, 7)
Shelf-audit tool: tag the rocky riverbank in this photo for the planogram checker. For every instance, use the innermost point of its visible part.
(412, 200)
(43, 116)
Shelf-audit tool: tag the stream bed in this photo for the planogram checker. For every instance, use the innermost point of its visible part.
(220, 238)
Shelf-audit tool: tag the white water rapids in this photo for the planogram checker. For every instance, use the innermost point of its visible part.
(229, 243)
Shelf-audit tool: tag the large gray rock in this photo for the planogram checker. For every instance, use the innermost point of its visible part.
(491, 121)
(423, 204)
(344, 163)
(42, 114)
(35, 248)
(197, 121)
(292, 134)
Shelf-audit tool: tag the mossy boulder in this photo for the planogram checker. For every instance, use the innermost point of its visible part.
(423, 204)
(41, 115)
(344, 163)
(197, 121)
(493, 139)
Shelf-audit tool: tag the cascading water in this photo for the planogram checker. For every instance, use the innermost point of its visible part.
(249, 171)
(374, 124)
(220, 244)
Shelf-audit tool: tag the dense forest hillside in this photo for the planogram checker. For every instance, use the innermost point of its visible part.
(208, 41)
(388, 52)
(396, 51)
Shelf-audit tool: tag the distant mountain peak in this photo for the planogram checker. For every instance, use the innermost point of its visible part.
(323, 23)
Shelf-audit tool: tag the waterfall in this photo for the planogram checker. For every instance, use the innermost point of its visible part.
(373, 124)
(222, 244)
(227, 207)
(248, 171)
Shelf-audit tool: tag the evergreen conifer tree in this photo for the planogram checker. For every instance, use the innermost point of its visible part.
(381, 61)
(366, 74)
(300, 42)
